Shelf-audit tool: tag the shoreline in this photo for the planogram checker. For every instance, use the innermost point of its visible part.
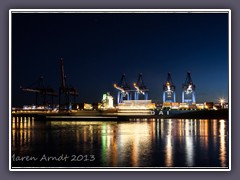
(112, 116)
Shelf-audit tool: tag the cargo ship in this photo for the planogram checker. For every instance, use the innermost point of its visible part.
(131, 109)
(145, 108)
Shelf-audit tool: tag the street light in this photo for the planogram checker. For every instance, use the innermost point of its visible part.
(222, 101)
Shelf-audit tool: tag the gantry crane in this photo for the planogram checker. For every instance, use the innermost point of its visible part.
(39, 88)
(141, 89)
(124, 90)
(169, 94)
(65, 92)
(188, 90)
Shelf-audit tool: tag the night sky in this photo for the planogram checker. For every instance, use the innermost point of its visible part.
(98, 48)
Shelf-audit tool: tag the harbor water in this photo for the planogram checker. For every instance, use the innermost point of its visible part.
(153, 143)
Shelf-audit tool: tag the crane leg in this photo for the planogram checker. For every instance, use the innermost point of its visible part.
(146, 96)
(183, 97)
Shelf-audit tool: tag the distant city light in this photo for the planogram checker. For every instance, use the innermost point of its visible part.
(222, 101)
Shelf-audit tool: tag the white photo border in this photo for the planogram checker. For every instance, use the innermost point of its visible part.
(11, 11)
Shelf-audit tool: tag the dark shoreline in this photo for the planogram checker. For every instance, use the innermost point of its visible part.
(199, 114)
(204, 114)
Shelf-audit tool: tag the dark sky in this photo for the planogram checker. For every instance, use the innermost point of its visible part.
(98, 48)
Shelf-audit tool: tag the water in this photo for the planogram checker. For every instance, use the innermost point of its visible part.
(164, 143)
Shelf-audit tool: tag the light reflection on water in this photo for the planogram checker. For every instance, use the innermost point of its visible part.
(222, 143)
(147, 143)
(169, 145)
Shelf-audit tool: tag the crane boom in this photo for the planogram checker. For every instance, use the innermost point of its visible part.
(41, 91)
(31, 90)
(119, 88)
(139, 90)
(140, 86)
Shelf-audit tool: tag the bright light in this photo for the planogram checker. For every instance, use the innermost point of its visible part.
(168, 88)
(222, 101)
(189, 89)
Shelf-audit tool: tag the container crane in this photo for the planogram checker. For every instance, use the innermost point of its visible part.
(188, 90)
(169, 94)
(65, 92)
(124, 90)
(140, 88)
(39, 88)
